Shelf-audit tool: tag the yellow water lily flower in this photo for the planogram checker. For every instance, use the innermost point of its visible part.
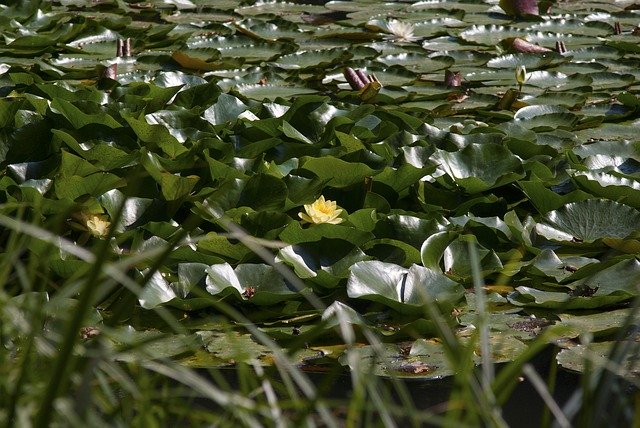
(97, 224)
(321, 211)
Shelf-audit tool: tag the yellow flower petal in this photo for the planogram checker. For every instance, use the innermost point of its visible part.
(98, 225)
(321, 211)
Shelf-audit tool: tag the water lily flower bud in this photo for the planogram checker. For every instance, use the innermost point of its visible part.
(521, 74)
(321, 211)
(452, 79)
(355, 80)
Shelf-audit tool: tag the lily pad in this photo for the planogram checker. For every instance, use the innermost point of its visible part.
(589, 221)
(468, 169)
(598, 356)
(257, 283)
(400, 288)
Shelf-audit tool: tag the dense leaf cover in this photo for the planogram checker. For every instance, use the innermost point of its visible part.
(238, 113)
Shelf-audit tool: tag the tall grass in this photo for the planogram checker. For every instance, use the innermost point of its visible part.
(55, 372)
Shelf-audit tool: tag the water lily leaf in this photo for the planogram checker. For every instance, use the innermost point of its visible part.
(133, 208)
(626, 98)
(610, 80)
(545, 199)
(316, 260)
(220, 245)
(624, 46)
(154, 135)
(190, 275)
(255, 52)
(609, 131)
(140, 346)
(619, 278)
(607, 185)
(74, 165)
(433, 249)
(528, 60)
(582, 358)
(574, 26)
(417, 63)
(494, 223)
(400, 288)
(457, 258)
(436, 26)
(258, 283)
(427, 358)
(589, 221)
(78, 119)
(552, 80)
(393, 251)
(226, 109)
(294, 233)
(271, 30)
(304, 60)
(490, 35)
(548, 263)
(564, 99)
(156, 291)
(264, 192)
(467, 167)
(588, 53)
(337, 172)
(544, 117)
(399, 179)
(272, 91)
(429, 362)
(600, 324)
(228, 347)
(338, 313)
(74, 186)
(526, 296)
(173, 186)
(407, 228)
(277, 8)
(103, 156)
(195, 63)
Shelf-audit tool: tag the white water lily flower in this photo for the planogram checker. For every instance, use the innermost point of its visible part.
(98, 225)
(400, 31)
(321, 211)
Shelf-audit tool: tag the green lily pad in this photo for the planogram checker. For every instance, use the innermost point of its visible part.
(598, 356)
(416, 62)
(311, 59)
(548, 263)
(609, 185)
(400, 288)
(600, 324)
(390, 362)
(490, 35)
(544, 117)
(530, 61)
(467, 167)
(148, 345)
(317, 262)
(526, 296)
(589, 221)
(156, 292)
(257, 283)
